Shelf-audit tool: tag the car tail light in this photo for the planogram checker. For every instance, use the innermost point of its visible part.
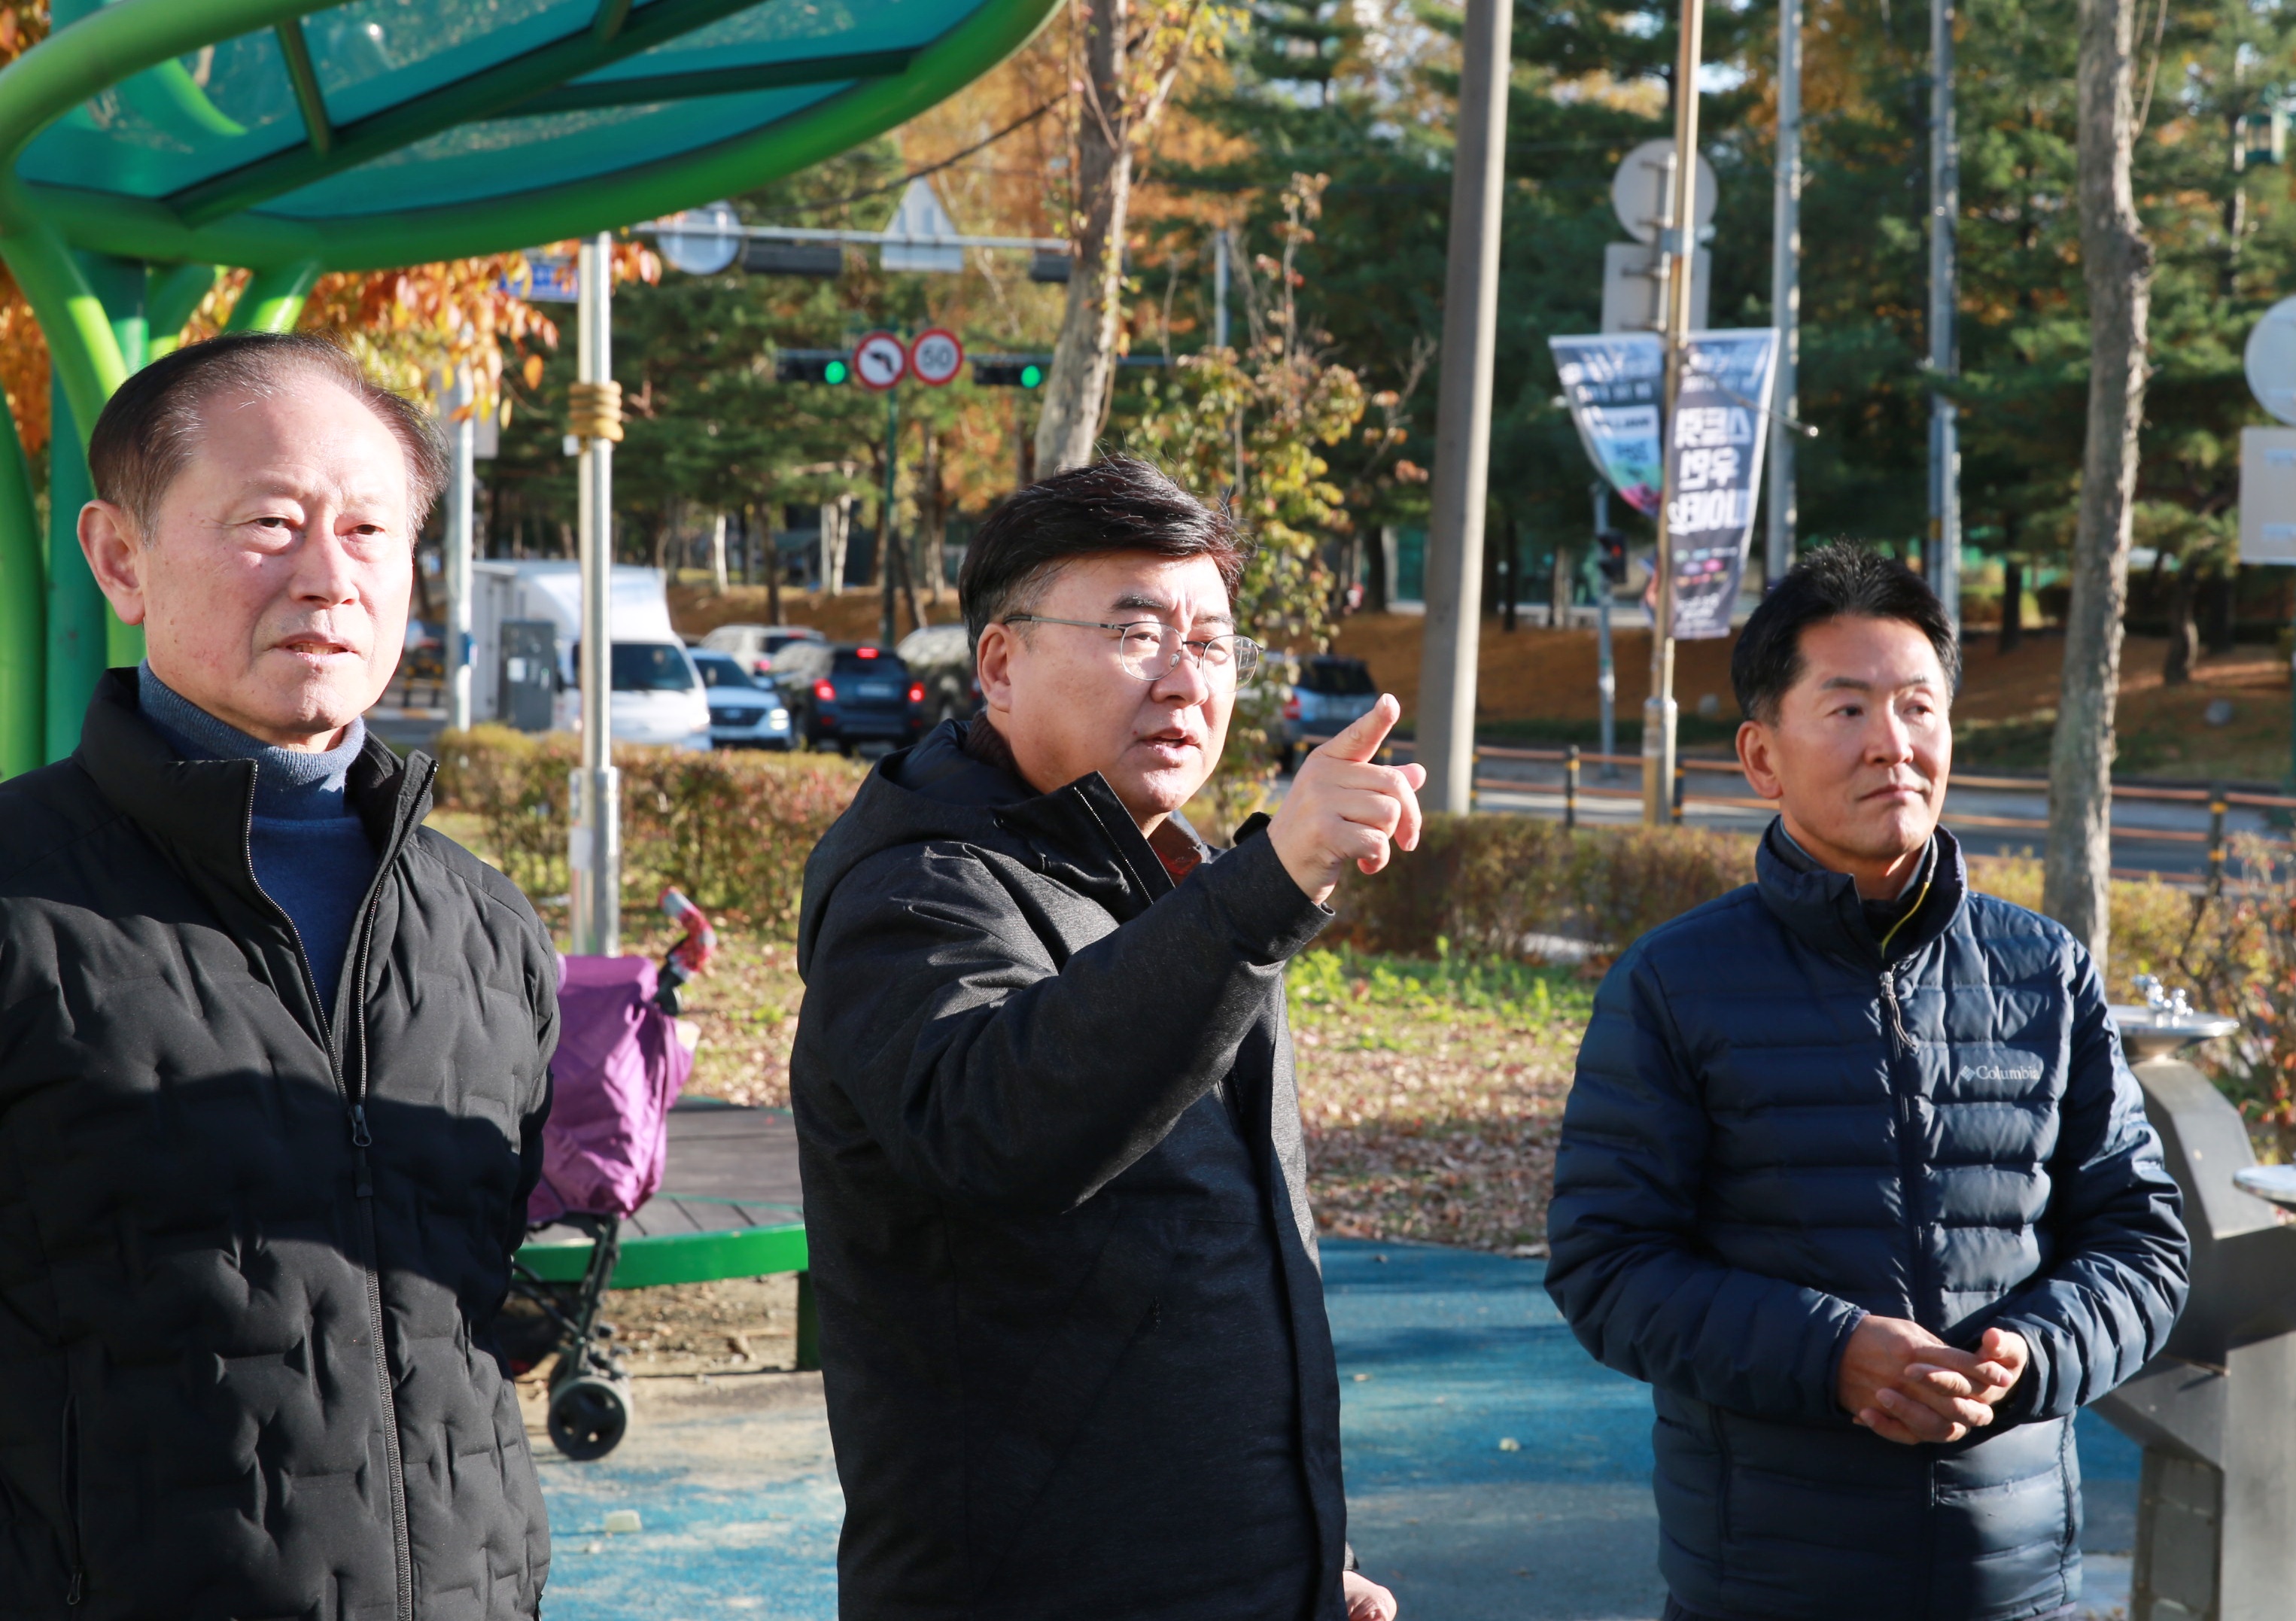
(865, 653)
(1291, 706)
(823, 693)
(916, 691)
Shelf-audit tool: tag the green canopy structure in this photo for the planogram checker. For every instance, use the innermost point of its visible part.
(146, 144)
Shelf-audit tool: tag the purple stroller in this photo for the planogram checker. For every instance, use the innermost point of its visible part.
(618, 1068)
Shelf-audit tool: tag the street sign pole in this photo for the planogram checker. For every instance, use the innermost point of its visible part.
(1463, 414)
(1680, 241)
(455, 641)
(595, 852)
(1945, 208)
(1785, 295)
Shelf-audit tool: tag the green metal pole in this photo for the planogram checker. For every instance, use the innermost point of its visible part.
(272, 301)
(78, 644)
(121, 284)
(23, 615)
(83, 637)
(171, 298)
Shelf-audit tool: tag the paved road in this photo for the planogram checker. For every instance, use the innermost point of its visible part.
(1443, 1355)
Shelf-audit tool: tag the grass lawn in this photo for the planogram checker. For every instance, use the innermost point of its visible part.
(1432, 1093)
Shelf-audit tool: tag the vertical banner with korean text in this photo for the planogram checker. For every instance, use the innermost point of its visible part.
(1714, 468)
(1615, 383)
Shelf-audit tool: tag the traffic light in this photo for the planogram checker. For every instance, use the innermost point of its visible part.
(1008, 372)
(1611, 549)
(831, 366)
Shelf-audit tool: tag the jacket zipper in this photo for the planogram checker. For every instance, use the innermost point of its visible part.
(1901, 1048)
(362, 1139)
(73, 1558)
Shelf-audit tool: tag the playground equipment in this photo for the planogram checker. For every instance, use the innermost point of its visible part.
(147, 144)
(2216, 1411)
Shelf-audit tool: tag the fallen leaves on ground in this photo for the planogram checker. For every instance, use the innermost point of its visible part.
(1432, 1092)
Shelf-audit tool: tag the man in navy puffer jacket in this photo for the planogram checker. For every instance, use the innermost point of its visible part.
(1853, 1173)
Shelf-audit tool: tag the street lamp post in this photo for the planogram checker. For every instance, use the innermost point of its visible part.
(455, 642)
(1945, 208)
(1785, 295)
(595, 853)
(1679, 240)
(1463, 415)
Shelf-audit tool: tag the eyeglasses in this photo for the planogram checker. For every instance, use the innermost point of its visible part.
(1151, 650)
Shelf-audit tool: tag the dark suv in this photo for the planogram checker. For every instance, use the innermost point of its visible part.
(853, 693)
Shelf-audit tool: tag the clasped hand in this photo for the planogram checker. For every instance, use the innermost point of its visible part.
(1905, 1384)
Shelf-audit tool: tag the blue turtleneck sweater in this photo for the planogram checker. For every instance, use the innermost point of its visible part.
(312, 854)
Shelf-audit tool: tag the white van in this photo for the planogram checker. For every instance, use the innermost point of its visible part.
(657, 695)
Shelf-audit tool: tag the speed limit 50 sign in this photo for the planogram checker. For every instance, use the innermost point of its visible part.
(937, 356)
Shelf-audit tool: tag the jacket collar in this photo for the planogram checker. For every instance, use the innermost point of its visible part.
(1823, 909)
(201, 808)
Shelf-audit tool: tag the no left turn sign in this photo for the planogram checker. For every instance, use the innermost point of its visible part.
(937, 356)
(879, 360)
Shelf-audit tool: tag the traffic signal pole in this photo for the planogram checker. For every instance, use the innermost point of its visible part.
(1462, 416)
(886, 625)
(1680, 241)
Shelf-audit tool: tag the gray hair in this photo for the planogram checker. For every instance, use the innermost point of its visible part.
(151, 424)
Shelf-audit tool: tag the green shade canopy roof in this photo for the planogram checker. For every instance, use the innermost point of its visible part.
(387, 132)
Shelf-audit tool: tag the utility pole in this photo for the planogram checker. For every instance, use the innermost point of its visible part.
(1463, 419)
(1785, 295)
(1944, 571)
(1679, 241)
(595, 852)
(455, 640)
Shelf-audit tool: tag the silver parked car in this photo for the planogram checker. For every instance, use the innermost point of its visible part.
(746, 711)
(755, 646)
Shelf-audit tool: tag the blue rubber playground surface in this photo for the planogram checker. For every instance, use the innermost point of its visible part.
(1494, 1469)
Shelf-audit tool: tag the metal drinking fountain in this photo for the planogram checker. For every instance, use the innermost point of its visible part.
(2216, 1411)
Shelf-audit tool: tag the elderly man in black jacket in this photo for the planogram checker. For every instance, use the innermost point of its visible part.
(1072, 1329)
(1853, 1173)
(272, 1057)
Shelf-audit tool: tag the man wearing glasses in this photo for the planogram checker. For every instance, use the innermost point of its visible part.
(1072, 1327)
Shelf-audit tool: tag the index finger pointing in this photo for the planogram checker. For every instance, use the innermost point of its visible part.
(1360, 738)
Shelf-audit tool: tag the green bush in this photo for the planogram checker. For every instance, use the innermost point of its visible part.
(731, 829)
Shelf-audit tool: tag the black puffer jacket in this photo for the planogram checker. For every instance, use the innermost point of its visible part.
(245, 1368)
(1072, 1329)
(1772, 1132)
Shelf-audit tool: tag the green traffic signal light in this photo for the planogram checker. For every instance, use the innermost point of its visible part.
(1031, 375)
(834, 372)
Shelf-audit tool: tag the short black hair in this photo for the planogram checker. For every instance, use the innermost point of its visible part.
(151, 426)
(1118, 504)
(1843, 580)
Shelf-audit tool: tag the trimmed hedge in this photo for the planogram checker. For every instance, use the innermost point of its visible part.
(731, 829)
(1483, 883)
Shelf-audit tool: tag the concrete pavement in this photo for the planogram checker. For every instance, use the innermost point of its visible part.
(1445, 1357)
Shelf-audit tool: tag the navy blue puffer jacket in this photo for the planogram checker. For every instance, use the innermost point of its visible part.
(1772, 1134)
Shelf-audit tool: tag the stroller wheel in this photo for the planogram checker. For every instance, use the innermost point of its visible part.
(589, 1416)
